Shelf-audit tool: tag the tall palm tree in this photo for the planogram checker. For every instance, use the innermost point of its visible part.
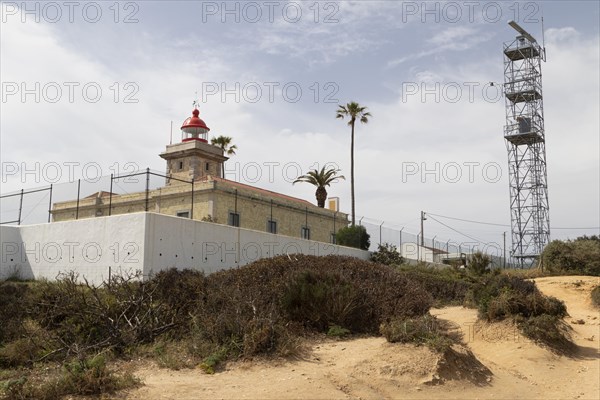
(224, 142)
(354, 111)
(320, 179)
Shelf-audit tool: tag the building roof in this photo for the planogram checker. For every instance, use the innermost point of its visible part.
(259, 190)
(101, 193)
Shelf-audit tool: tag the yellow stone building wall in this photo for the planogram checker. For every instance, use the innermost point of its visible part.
(216, 199)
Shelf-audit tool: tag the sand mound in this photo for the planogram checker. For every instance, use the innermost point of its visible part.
(372, 368)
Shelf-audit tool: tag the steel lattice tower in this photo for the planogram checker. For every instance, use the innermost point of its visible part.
(526, 145)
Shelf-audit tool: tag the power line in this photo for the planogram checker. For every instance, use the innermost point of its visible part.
(471, 221)
(449, 227)
(506, 225)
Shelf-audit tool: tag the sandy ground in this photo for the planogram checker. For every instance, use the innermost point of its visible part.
(371, 368)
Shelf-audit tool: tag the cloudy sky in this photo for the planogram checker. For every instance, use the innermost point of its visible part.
(91, 88)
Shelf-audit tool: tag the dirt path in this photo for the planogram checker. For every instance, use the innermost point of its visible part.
(371, 368)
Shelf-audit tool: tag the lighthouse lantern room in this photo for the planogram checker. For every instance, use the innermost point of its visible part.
(194, 128)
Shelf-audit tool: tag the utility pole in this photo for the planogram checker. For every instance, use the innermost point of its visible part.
(422, 236)
(504, 237)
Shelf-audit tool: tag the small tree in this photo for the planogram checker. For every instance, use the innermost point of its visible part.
(354, 236)
(320, 179)
(478, 263)
(224, 143)
(387, 254)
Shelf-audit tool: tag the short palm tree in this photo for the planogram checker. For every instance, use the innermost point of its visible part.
(224, 142)
(353, 111)
(320, 179)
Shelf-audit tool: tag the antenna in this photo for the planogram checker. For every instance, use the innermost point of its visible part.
(543, 36)
(196, 102)
(522, 31)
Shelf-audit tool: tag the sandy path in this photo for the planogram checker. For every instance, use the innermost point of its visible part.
(371, 368)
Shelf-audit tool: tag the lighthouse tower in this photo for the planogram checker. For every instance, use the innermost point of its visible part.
(194, 157)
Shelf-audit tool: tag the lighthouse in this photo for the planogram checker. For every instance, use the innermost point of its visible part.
(194, 158)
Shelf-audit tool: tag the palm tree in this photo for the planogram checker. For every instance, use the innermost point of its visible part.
(354, 111)
(320, 179)
(224, 142)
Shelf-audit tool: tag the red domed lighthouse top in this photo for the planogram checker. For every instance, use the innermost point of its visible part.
(194, 128)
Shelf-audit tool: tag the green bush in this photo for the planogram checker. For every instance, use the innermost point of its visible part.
(580, 256)
(320, 299)
(354, 236)
(86, 377)
(501, 296)
(478, 263)
(387, 254)
(539, 317)
(183, 318)
(425, 329)
(447, 286)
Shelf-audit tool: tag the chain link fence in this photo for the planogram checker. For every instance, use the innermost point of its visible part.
(34, 206)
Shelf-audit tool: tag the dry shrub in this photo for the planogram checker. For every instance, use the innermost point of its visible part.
(425, 329)
(500, 296)
(84, 377)
(12, 309)
(539, 317)
(447, 286)
(313, 292)
(548, 330)
(320, 299)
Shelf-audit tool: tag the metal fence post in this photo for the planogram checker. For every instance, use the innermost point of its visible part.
(110, 196)
(50, 204)
(78, 192)
(20, 208)
(192, 207)
(147, 187)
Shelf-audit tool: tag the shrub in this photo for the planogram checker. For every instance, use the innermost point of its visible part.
(580, 256)
(501, 296)
(337, 331)
(447, 286)
(547, 330)
(272, 300)
(323, 298)
(478, 263)
(425, 329)
(12, 309)
(596, 296)
(354, 236)
(85, 377)
(538, 316)
(387, 254)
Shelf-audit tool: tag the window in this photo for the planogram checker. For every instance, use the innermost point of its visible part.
(333, 238)
(234, 219)
(305, 233)
(271, 226)
(183, 214)
(207, 166)
(180, 165)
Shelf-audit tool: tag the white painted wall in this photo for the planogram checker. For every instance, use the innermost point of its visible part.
(182, 243)
(142, 241)
(88, 246)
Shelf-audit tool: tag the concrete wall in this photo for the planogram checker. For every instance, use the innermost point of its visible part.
(89, 246)
(146, 242)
